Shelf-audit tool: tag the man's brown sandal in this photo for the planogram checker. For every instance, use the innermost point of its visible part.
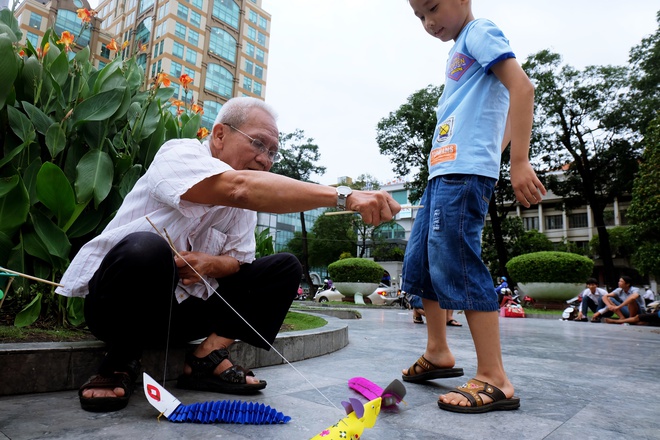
(429, 372)
(231, 381)
(125, 380)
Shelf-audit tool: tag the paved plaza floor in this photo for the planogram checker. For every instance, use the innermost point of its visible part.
(575, 380)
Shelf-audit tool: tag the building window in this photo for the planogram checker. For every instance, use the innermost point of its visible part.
(247, 83)
(222, 44)
(531, 223)
(175, 69)
(69, 21)
(105, 52)
(182, 12)
(256, 89)
(33, 38)
(252, 33)
(180, 30)
(249, 67)
(263, 23)
(249, 49)
(196, 19)
(191, 56)
(177, 50)
(576, 221)
(252, 16)
(261, 39)
(260, 55)
(554, 222)
(143, 33)
(144, 5)
(193, 37)
(35, 20)
(608, 217)
(227, 11)
(211, 109)
(197, 3)
(259, 72)
(219, 80)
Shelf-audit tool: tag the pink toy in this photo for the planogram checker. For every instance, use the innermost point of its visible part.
(393, 394)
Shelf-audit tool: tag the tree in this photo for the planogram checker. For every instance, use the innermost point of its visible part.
(406, 136)
(644, 102)
(574, 131)
(644, 211)
(299, 157)
(333, 235)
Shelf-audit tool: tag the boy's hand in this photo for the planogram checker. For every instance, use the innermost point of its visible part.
(527, 187)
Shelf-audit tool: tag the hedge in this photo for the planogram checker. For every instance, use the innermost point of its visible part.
(550, 267)
(355, 270)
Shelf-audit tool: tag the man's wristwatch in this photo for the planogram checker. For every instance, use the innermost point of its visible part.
(342, 194)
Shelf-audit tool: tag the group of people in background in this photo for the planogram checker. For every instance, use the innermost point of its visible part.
(627, 302)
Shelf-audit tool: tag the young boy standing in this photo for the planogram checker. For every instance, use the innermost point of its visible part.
(487, 102)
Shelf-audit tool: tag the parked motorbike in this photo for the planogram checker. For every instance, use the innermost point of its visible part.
(508, 297)
(571, 312)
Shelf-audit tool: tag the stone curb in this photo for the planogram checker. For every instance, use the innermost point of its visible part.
(58, 366)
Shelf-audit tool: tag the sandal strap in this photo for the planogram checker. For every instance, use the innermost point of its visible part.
(474, 387)
(424, 364)
(208, 363)
(117, 380)
(235, 374)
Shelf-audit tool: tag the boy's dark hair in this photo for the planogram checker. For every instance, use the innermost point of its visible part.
(626, 279)
(592, 281)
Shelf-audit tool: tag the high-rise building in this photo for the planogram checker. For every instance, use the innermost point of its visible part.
(221, 44)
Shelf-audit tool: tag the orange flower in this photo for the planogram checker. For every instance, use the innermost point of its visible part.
(185, 79)
(42, 52)
(178, 103)
(21, 53)
(125, 44)
(179, 111)
(163, 79)
(85, 15)
(197, 109)
(66, 39)
(112, 45)
(202, 133)
(143, 48)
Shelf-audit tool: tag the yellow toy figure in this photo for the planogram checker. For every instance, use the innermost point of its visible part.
(351, 426)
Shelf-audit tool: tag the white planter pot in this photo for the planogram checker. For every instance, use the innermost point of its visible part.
(350, 289)
(551, 291)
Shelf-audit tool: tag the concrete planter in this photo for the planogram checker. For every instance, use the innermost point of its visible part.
(551, 291)
(350, 289)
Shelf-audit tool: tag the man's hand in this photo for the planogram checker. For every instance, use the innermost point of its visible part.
(215, 266)
(375, 207)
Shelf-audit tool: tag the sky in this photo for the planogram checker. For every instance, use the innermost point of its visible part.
(336, 68)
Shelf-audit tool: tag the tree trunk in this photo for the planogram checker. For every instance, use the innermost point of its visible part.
(605, 249)
(500, 246)
(305, 254)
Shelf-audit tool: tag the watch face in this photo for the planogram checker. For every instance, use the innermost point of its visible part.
(344, 190)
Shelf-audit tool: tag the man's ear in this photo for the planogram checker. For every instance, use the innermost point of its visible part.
(217, 137)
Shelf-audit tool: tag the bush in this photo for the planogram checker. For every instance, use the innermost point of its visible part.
(355, 270)
(550, 267)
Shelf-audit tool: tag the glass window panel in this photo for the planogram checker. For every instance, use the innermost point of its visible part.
(219, 80)
(227, 11)
(222, 44)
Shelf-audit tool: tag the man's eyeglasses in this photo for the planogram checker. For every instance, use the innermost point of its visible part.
(273, 156)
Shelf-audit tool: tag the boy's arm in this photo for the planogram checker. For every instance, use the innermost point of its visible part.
(526, 185)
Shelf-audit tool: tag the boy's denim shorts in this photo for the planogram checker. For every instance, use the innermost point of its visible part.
(443, 257)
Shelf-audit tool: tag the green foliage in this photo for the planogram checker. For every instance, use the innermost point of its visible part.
(75, 140)
(355, 270)
(621, 242)
(406, 136)
(333, 235)
(549, 267)
(644, 211)
(264, 245)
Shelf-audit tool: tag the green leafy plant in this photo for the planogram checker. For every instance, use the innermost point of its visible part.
(355, 270)
(550, 267)
(75, 140)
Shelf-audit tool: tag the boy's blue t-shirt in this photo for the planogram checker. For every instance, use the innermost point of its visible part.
(473, 108)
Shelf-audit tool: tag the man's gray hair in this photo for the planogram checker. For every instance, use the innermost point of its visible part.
(237, 110)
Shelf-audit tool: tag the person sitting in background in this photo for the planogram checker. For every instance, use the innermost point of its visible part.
(590, 298)
(648, 296)
(625, 301)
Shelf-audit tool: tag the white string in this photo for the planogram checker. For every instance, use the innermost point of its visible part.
(169, 241)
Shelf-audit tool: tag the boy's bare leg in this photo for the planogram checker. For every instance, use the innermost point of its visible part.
(437, 350)
(485, 330)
